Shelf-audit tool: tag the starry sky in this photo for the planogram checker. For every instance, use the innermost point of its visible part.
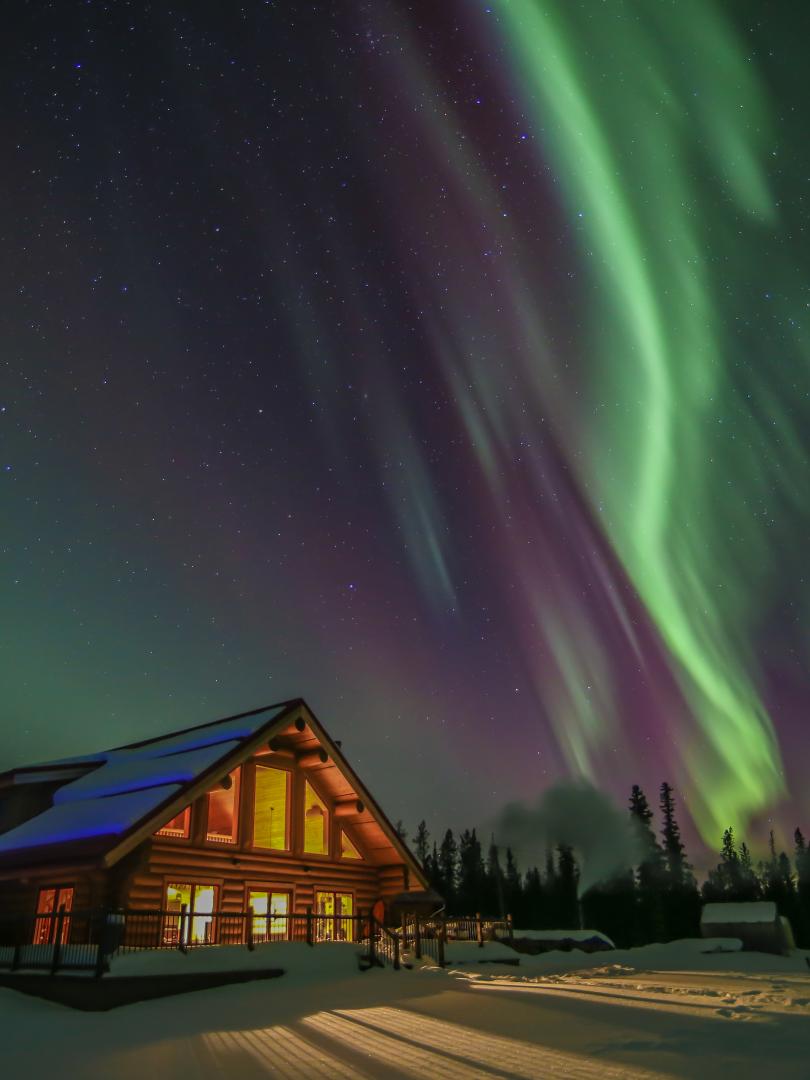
(443, 364)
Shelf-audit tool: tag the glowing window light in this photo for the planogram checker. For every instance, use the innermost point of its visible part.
(316, 822)
(270, 829)
(270, 911)
(198, 925)
(223, 811)
(178, 827)
(347, 848)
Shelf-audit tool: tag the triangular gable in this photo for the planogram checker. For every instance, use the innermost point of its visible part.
(371, 804)
(139, 787)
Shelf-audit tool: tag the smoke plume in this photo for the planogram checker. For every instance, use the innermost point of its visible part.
(579, 816)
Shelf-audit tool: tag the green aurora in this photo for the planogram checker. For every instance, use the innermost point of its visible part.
(658, 127)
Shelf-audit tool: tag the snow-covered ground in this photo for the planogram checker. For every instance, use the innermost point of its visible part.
(661, 1011)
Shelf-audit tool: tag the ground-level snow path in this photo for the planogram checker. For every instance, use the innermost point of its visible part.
(613, 1022)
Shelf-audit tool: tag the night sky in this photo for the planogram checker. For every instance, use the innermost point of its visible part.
(445, 364)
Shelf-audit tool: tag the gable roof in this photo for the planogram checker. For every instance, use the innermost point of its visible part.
(111, 801)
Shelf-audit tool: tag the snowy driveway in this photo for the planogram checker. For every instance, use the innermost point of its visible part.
(610, 1023)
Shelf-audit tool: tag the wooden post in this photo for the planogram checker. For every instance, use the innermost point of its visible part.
(181, 944)
(510, 928)
(479, 929)
(57, 940)
(442, 938)
(309, 925)
(15, 958)
(396, 952)
(372, 937)
(99, 971)
(249, 934)
(417, 938)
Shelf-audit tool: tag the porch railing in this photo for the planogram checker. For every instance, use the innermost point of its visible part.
(86, 940)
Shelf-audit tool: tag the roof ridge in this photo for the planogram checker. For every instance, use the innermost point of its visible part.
(208, 723)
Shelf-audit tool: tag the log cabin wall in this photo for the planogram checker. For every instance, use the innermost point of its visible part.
(235, 867)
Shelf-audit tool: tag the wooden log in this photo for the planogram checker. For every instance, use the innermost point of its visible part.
(312, 758)
(349, 809)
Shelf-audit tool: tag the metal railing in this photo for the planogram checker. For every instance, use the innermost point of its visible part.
(428, 935)
(86, 940)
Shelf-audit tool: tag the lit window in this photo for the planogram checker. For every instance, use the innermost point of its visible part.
(178, 826)
(316, 823)
(52, 905)
(327, 906)
(189, 914)
(270, 808)
(347, 848)
(271, 912)
(223, 803)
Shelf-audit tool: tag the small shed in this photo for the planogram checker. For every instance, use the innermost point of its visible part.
(758, 925)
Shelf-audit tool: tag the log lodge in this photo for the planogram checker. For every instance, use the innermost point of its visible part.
(259, 813)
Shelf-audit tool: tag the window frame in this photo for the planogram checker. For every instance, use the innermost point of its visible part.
(263, 887)
(193, 880)
(289, 834)
(51, 916)
(328, 824)
(334, 891)
(158, 834)
(236, 777)
(361, 855)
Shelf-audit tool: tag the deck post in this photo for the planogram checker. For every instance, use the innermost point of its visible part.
(479, 930)
(249, 929)
(99, 969)
(309, 925)
(57, 940)
(417, 938)
(372, 936)
(181, 944)
(15, 957)
(442, 938)
(396, 952)
(510, 928)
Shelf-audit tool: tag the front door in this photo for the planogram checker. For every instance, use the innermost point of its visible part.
(329, 925)
(50, 902)
(270, 915)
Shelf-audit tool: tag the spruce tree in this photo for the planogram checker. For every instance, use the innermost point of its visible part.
(645, 900)
(652, 858)
(536, 914)
(802, 858)
(677, 867)
(494, 900)
(470, 873)
(421, 844)
(448, 871)
(567, 888)
(513, 890)
(679, 898)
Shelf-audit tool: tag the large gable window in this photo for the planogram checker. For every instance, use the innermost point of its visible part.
(178, 827)
(223, 812)
(270, 827)
(316, 822)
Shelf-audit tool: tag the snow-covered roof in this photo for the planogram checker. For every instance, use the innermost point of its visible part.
(760, 911)
(124, 785)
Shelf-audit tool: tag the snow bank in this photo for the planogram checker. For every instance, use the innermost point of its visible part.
(327, 960)
(561, 935)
